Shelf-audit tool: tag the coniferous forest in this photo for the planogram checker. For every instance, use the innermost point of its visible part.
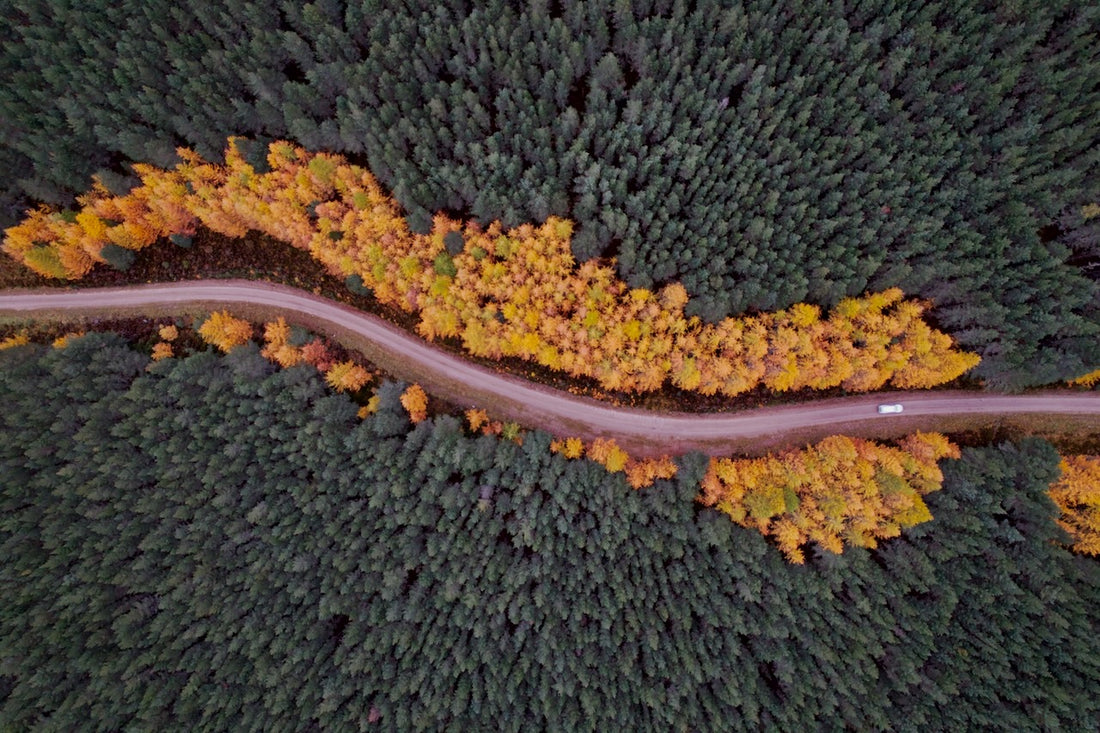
(212, 543)
(761, 153)
(721, 197)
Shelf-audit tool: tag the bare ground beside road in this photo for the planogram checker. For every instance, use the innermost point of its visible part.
(640, 432)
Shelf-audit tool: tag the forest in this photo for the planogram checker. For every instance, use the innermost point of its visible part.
(234, 525)
(517, 293)
(761, 153)
(837, 492)
(214, 542)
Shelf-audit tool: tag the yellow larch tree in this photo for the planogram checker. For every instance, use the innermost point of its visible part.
(1077, 494)
(370, 408)
(276, 332)
(284, 354)
(1087, 380)
(224, 331)
(277, 347)
(347, 376)
(569, 447)
(62, 341)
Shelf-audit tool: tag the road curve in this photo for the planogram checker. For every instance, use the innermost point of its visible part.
(641, 432)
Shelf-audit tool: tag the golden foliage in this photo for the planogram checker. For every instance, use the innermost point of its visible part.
(569, 447)
(508, 293)
(168, 333)
(347, 376)
(1077, 494)
(18, 339)
(574, 448)
(415, 401)
(162, 350)
(277, 332)
(1087, 380)
(840, 491)
(224, 331)
(62, 341)
(607, 452)
(276, 345)
(370, 408)
(476, 418)
(643, 472)
(282, 354)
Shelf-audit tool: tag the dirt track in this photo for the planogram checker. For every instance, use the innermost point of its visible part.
(640, 432)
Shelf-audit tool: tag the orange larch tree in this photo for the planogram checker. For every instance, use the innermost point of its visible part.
(162, 350)
(607, 452)
(317, 354)
(415, 401)
(476, 418)
(347, 376)
(1077, 494)
(643, 472)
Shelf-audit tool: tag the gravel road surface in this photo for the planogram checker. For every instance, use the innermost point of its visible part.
(466, 383)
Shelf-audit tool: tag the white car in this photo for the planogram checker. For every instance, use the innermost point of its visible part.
(888, 409)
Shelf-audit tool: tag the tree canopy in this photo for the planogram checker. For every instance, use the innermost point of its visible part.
(761, 153)
(515, 293)
(214, 542)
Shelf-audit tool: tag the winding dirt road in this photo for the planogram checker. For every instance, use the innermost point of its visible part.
(639, 432)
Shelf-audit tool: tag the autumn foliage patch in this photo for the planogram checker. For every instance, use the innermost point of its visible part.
(839, 491)
(16, 339)
(1087, 380)
(1077, 494)
(503, 293)
(640, 472)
